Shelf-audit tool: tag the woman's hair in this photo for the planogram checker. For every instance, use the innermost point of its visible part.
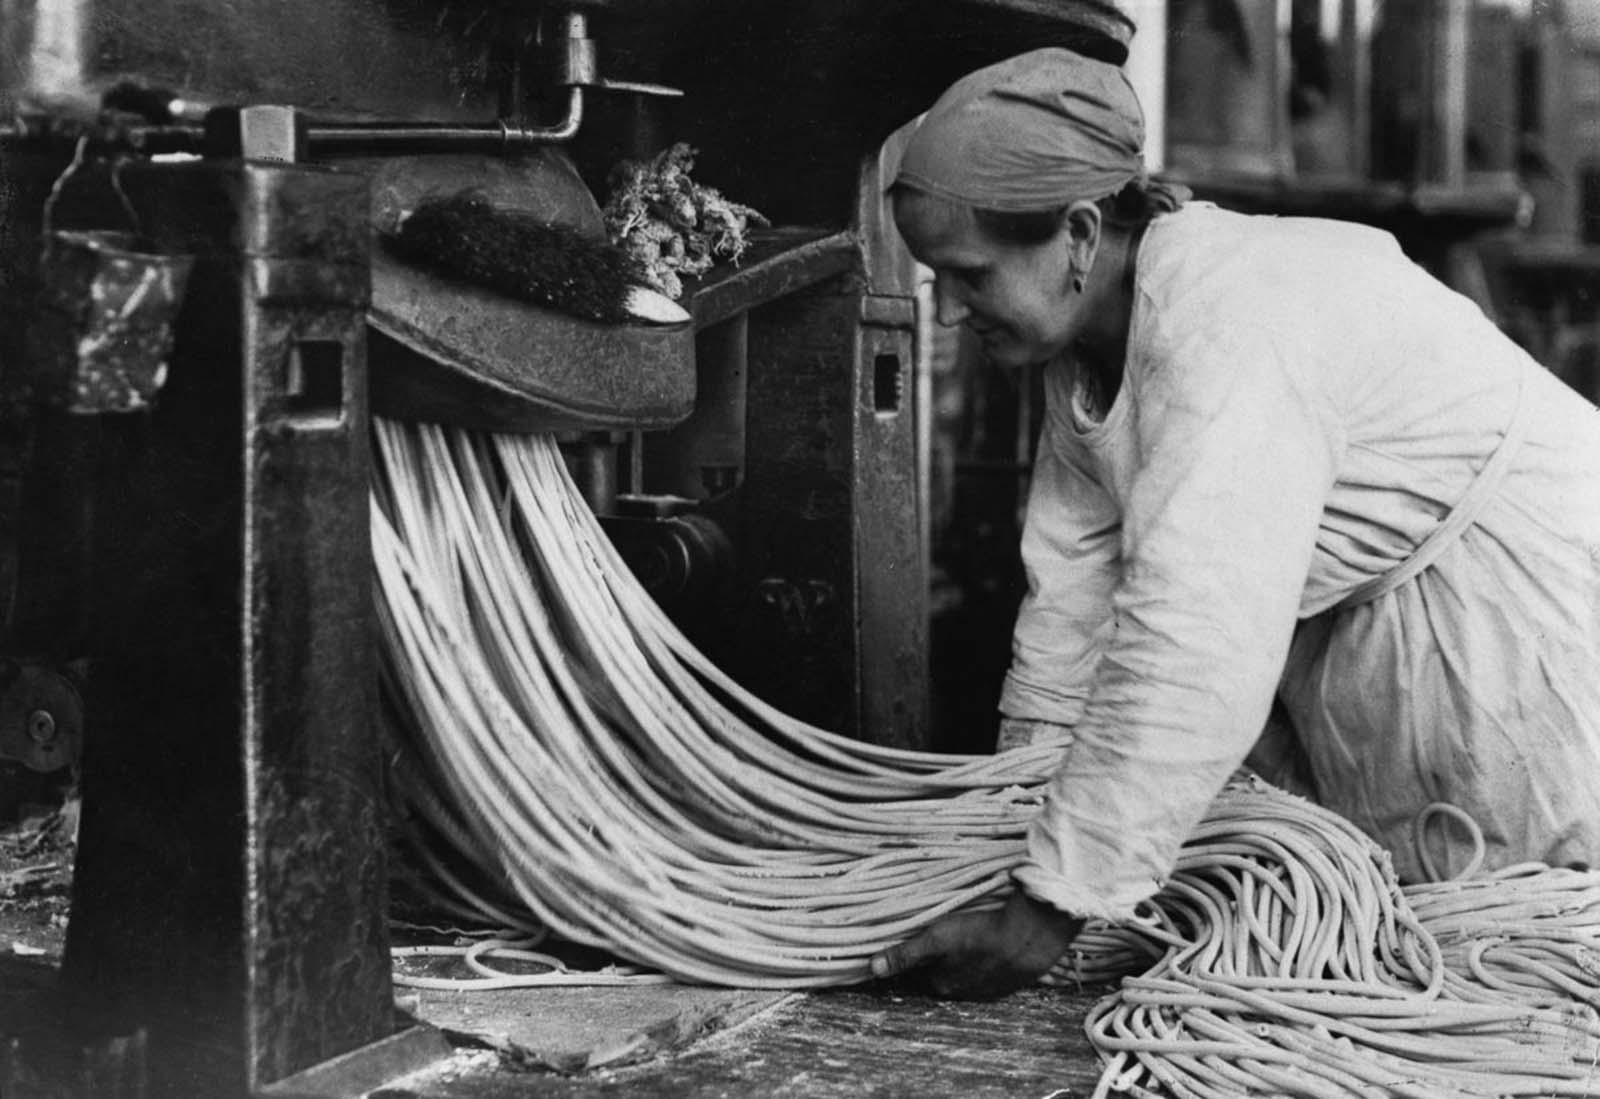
(1135, 205)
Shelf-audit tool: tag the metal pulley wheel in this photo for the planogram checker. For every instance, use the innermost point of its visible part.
(41, 717)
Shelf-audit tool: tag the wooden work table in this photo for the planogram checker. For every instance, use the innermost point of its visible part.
(817, 1045)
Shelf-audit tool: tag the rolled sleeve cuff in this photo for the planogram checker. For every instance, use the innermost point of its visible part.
(1021, 699)
(1116, 903)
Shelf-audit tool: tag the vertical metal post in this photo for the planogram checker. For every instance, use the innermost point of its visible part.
(1447, 140)
(1355, 87)
(230, 894)
(704, 456)
(792, 639)
(887, 498)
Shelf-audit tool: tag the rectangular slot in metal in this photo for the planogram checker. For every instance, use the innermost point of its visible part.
(313, 382)
(886, 384)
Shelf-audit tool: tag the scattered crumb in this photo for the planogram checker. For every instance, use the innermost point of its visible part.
(36, 857)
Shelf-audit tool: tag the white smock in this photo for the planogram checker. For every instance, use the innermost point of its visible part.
(1325, 475)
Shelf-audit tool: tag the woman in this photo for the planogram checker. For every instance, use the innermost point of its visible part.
(1277, 458)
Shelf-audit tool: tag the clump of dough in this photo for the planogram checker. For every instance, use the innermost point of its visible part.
(673, 226)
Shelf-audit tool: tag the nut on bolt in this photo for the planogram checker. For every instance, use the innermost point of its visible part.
(41, 727)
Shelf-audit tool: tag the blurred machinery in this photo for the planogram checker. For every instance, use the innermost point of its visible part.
(185, 441)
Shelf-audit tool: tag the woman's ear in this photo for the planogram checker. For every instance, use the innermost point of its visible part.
(1082, 228)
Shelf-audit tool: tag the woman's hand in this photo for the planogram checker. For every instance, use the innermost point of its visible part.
(985, 955)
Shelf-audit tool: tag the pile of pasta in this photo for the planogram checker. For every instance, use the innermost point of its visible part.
(564, 761)
(1295, 964)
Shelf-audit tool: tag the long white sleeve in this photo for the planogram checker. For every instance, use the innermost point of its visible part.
(1071, 542)
(1234, 448)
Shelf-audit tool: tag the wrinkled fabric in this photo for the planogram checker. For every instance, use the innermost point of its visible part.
(1301, 407)
(1033, 132)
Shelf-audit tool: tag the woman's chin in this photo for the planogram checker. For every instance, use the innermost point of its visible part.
(1012, 355)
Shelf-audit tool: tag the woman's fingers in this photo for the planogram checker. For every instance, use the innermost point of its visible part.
(921, 948)
(982, 955)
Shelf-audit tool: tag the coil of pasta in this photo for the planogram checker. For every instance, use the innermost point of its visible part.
(565, 760)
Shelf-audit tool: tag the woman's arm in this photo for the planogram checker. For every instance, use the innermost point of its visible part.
(1238, 444)
(1071, 543)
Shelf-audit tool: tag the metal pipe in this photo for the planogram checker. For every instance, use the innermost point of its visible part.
(305, 138)
(335, 139)
(139, 138)
(393, 138)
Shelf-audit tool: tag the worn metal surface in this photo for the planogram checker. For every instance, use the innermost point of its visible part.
(790, 631)
(825, 615)
(891, 565)
(704, 455)
(230, 891)
(450, 352)
(454, 353)
(471, 358)
(780, 261)
(274, 132)
(395, 58)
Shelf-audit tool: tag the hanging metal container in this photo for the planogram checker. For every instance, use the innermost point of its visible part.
(102, 329)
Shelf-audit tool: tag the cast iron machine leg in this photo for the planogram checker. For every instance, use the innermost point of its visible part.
(229, 897)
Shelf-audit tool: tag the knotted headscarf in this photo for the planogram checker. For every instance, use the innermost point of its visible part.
(1033, 132)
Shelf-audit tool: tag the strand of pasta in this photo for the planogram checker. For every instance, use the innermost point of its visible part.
(609, 784)
(832, 866)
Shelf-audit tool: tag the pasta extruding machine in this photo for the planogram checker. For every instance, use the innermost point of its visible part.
(190, 530)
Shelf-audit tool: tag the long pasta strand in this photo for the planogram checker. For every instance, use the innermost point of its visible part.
(608, 783)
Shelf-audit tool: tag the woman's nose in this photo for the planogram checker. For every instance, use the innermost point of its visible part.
(949, 308)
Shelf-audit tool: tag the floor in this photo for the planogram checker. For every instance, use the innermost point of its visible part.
(819, 1045)
(672, 1041)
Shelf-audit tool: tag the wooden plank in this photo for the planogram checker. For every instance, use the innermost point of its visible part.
(847, 1043)
(579, 1029)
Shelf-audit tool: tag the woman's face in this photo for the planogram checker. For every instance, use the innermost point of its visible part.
(1018, 298)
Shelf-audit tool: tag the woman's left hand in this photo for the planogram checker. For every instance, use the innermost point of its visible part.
(985, 955)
